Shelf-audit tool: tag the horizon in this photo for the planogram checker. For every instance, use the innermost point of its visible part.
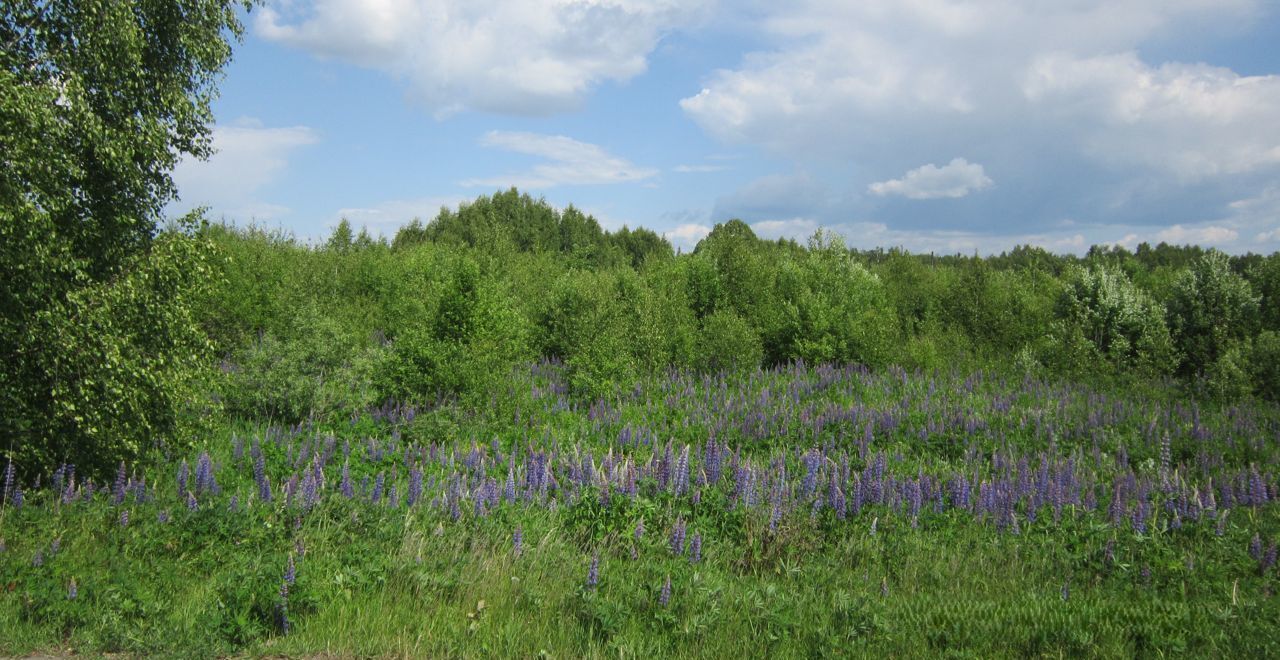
(934, 126)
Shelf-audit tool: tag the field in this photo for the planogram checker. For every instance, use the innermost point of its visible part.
(791, 512)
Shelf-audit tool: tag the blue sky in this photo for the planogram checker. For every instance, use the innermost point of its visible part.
(935, 125)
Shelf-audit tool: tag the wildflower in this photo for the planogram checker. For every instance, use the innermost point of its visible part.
(38, 560)
(192, 504)
(1255, 548)
(290, 571)
(695, 548)
(124, 518)
(72, 590)
(283, 608)
(1066, 590)
(677, 537)
(593, 572)
(117, 491)
(162, 517)
(517, 540)
(664, 596)
(345, 485)
(639, 533)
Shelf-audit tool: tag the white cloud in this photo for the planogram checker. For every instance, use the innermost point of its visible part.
(1269, 236)
(247, 157)
(697, 169)
(506, 56)
(570, 162)
(797, 228)
(687, 235)
(1191, 120)
(385, 218)
(955, 179)
(1208, 235)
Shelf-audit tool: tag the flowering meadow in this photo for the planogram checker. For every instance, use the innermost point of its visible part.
(796, 511)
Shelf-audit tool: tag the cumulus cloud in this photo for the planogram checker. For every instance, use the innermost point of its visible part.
(1052, 96)
(955, 179)
(569, 162)
(687, 235)
(1192, 120)
(1210, 235)
(790, 228)
(247, 157)
(526, 57)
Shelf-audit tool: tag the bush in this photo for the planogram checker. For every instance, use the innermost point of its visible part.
(1113, 321)
(1211, 308)
(728, 343)
(1264, 363)
(470, 341)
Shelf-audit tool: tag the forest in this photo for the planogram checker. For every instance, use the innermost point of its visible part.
(506, 431)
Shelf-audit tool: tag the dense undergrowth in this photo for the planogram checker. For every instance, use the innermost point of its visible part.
(789, 512)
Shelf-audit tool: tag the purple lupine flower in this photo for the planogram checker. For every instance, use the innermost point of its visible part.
(695, 548)
(509, 489)
(1255, 547)
(677, 537)
(162, 516)
(682, 472)
(517, 540)
(204, 473)
(811, 460)
(117, 491)
(55, 547)
(260, 475)
(192, 504)
(1066, 590)
(377, 488)
(639, 531)
(1267, 560)
(124, 518)
(310, 490)
(290, 571)
(38, 560)
(183, 471)
(283, 608)
(345, 485)
(1221, 527)
(593, 572)
(664, 596)
(72, 590)
(415, 486)
(18, 498)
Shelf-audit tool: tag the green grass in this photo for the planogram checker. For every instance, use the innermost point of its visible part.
(414, 582)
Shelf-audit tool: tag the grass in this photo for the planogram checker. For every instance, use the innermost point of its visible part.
(783, 576)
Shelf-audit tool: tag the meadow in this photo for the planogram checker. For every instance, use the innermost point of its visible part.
(788, 512)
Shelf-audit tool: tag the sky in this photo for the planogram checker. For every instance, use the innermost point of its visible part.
(934, 125)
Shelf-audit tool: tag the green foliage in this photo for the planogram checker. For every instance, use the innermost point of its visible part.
(835, 310)
(1105, 317)
(728, 343)
(113, 368)
(318, 371)
(1211, 308)
(98, 101)
(1264, 365)
(466, 343)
